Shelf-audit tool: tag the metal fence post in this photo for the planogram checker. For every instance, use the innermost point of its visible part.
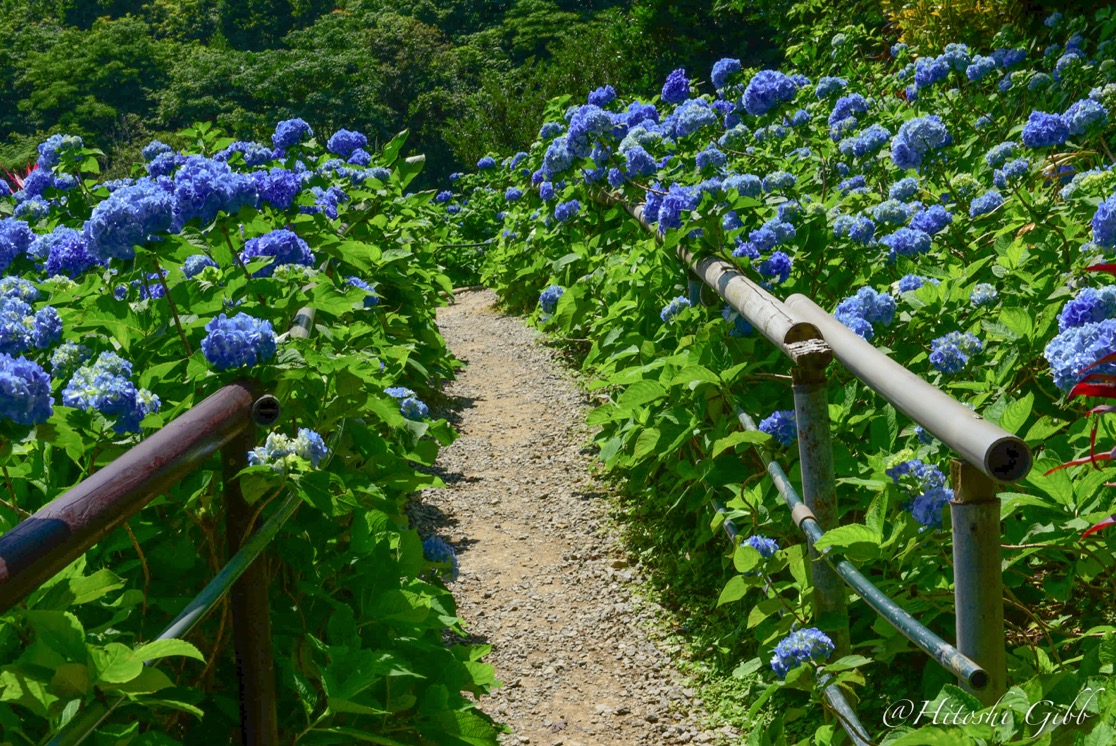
(255, 664)
(815, 452)
(693, 290)
(978, 577)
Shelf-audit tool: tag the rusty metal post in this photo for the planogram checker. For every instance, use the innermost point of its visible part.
(255, 664)
(815, 452)
(64, 528)
(978, 581)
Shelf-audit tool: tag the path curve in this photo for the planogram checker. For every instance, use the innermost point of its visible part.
(543, 579)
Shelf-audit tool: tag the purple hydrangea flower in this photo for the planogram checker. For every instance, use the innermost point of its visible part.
(766, 90)
(950, 353)
(290, 132)
(782, 426)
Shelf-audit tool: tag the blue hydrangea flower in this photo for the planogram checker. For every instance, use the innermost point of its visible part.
(672, 309)
(327, 202)
(950, 353)
(204, 187)
(983, 294)
(1104, 223)
(692, 116)
(437, 550)
(195, 264)
(242, 341)
(443, 196)
(891, 212)
(999, 154)
(722, 69)
(343, 142)
(898, 48)
(1045, 130)
(710, 159)
(566, 211)
(25, 395)
(106, 386)
(904, 190)
(602, 96)
(799, 647)
(909, 283)
(557, 157)
(929, 71)
(777, 267)
(828, 86)
(512, 194)
(982, 121)
(781, 425)
(277, 187)
(64, 252)
(548, 299)
(926, 490)
(546, 191)
(1039, 82)
(154, 149)
(980, 68)
(853, 185)
(778, 180)
(678, 200)
(67, 357)
(985, 203)
(54, 147)
(254, 153)
(1088, 306)
(906, 242)
(291, 132)
(867, 307)
(746, 185)
(676, 89)
(1085, 114)
(16, 238)
(360, 157)
(766, 90)
(284, 245)
(18, 288)
(1012, 172)
(931, 220)
(1008, 58)
(1077, 348)
(1052, 20)
(486, 162)
(917, 138)
(127, 217)
(371, 298)
(862, 230)
(766, 547)
(848, 107)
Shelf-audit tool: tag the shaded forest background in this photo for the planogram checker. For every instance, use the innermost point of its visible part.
(467, 78)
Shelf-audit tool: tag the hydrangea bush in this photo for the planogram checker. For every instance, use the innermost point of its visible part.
(124, 303)
(942, 203)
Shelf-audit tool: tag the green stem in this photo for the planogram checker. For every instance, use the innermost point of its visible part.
(173, 308)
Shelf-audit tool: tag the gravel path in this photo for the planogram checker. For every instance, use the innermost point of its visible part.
(544, 579)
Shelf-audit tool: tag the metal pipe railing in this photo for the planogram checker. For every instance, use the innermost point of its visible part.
(799, 340)
(845, 713)
(950, 657)
(62, 530)
(996, 452)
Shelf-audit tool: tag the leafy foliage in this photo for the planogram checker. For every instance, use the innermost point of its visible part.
(359, 615)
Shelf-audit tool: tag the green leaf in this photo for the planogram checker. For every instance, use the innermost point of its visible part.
(1018, 320)
(60, 631)
(640, 393)
(165, 648)
(646, 442)
(734, 590)
(738, 437)
(855, 541)
(1017, 412)
(746, 558)
(115, 664)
